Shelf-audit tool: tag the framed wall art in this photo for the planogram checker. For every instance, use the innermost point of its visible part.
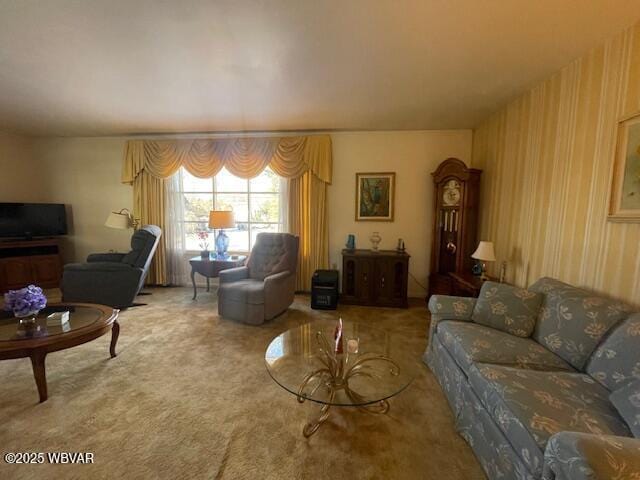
(624, 202)
(375, 194)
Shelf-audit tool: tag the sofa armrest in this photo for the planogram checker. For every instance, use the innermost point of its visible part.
(452, 308)
(446, 307)
(581, 456)
(105, 257)
(279, 291)
(233, 274)
(277, 277)
(99, 267)
(279, 285)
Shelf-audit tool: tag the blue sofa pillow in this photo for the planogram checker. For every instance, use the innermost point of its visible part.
(507, 308)
(573, 321)
(627, 402)
(616, 361)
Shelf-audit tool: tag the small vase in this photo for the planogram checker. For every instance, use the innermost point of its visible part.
(204, 254)
(477, 269)
(375, 240)
(28, 319)
(351, 242)
(28, 326)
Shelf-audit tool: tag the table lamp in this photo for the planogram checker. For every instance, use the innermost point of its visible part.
(484, 253)
(221, 219)
(122, 220)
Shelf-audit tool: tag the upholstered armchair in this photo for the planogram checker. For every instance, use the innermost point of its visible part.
(112, 279)
(263, 288)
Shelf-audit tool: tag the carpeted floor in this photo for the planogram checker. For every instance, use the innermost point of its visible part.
(188, 396)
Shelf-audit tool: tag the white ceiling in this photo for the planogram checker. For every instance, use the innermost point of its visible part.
(100, 67)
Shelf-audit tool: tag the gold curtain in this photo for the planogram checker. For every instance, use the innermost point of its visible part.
(149, 207)
(305, 160)
(244, 157)
(308, 219)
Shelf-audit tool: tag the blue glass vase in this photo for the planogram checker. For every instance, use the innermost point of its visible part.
(222, 243)
(351, 242)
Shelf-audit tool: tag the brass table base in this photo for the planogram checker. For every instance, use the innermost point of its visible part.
(313, 425)
(334, 376)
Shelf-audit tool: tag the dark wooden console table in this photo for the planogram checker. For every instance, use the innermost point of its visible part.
(30, 261)
(377, 278)
(212, 266)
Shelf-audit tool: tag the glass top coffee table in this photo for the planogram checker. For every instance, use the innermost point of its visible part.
(36, 338)
(364, 368)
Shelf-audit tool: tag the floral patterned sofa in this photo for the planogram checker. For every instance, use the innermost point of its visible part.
(543, 383)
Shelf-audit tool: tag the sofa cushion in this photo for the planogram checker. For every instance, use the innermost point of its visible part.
(451, 308)
(273, 253)
(469, 343)
(572, 322)
(143, 245)
(530, 406)
(472, 421)
(244, 291)
(617, 360)
(582, 456)
(627, 402)
(507, 308)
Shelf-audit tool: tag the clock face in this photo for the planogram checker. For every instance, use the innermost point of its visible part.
(451, 193)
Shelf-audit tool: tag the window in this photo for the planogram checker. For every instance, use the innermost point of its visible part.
(256, 205)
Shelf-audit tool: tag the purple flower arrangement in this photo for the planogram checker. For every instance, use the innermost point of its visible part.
(26, 301)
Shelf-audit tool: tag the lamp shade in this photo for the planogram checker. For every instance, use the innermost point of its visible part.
(484, 252)
(221, 219)
(118, 220)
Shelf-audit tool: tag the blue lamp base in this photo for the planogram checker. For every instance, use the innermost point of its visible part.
(477, 269)
(222, 244)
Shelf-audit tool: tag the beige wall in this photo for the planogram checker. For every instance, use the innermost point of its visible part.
(413, 156)
(547, 160)
(85, 174)
(20, 181)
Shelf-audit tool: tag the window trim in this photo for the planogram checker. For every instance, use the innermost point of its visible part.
(248, 193)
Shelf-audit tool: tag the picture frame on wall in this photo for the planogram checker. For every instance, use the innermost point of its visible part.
(624, 201)
(375, 196)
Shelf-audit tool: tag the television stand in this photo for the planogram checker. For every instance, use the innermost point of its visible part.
(24, 262)
(23, 239)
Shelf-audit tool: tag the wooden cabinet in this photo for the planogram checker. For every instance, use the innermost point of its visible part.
(25, 262)
(17, 272)
(46, 269)
(375, 278)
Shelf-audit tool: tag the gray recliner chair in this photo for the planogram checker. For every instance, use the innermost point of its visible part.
(112, 279)
(265, 287)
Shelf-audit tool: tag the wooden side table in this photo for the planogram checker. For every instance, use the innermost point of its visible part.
(212, 266)
(466, 284)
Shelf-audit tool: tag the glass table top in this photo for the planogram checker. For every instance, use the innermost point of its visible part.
(213, 257)
(79, 317)
(373, 365)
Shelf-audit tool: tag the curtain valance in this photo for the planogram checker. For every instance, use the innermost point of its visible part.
(245, 157)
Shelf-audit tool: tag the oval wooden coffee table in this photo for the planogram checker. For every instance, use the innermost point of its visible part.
(86, 322)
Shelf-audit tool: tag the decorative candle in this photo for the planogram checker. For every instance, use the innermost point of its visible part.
(337, 335)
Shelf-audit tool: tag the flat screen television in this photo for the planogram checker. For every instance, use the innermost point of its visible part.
(27, 220)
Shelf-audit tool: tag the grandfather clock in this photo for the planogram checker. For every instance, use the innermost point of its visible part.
(457, 191)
